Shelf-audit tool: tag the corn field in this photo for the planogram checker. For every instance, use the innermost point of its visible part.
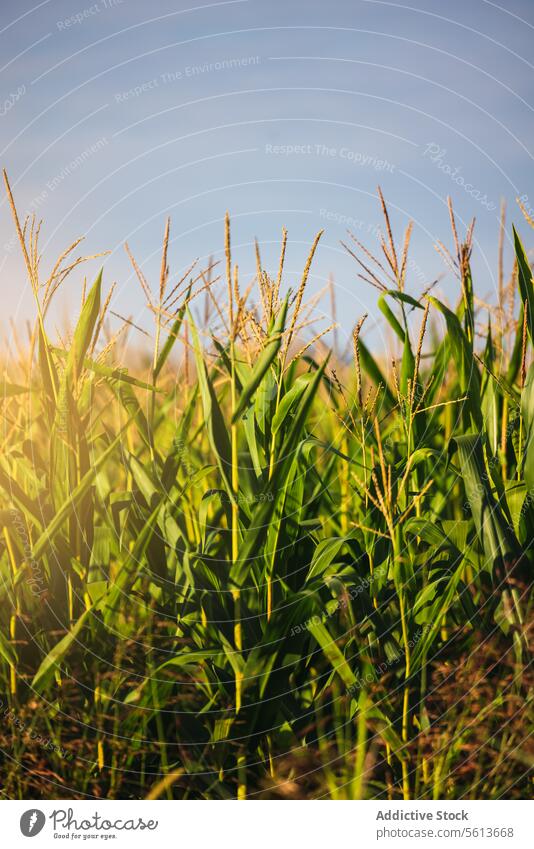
(250, 566)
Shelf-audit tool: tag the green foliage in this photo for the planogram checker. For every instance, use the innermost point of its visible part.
(217, 575)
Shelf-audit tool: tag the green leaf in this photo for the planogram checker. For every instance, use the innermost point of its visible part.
(404, 298)
(128, 399)
(261, 517)
(173, 334)
(130, 568)
(332, 651)
(443, 597)
(326, 553)
(340, 665)
(55, 657)
(496, 539)
(517, 351)
(371, 367)
(84, 330)
(113, 374)
(384, 307)
(46, 538)
(213, 417)
(7, 651)
(290, 400)
(490, 398)
(465, 363)
(266, 358)
(527, 412)
(48, 371)
(524, 276)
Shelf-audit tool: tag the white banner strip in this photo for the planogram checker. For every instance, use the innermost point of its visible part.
(269, 824)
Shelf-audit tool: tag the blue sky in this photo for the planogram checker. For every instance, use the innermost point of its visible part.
(115, 114)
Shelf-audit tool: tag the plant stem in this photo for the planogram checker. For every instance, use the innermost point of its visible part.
(236, 594)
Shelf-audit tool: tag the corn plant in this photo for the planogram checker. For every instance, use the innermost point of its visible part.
(254, 567)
